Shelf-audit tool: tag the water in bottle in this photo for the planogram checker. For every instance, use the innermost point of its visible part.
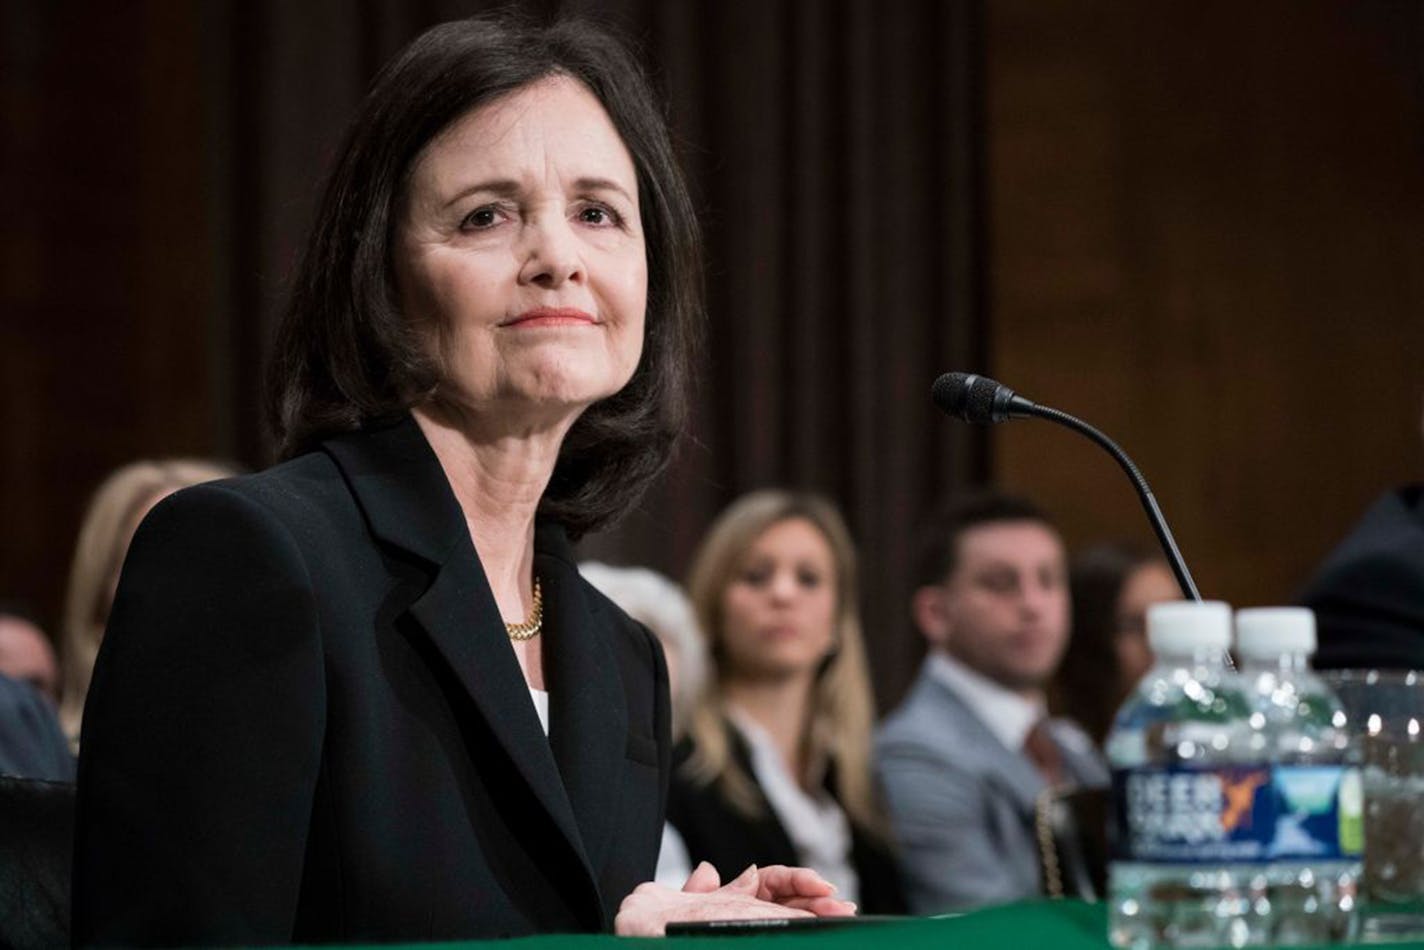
(1314, 869)
(1191, 795)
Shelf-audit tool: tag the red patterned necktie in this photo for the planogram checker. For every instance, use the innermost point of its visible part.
(1044, 753)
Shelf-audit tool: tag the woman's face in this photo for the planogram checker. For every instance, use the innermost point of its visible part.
(1149, 584)
(779, 610)
(521, 254)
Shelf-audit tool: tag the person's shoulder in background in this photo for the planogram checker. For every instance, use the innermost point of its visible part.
(31, 743)
(1368, 594)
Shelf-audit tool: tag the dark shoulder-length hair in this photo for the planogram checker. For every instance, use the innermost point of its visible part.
(346, 358)
(1088, 686)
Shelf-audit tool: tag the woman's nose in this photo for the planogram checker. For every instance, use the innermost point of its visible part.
(783, 586)
(551, 255)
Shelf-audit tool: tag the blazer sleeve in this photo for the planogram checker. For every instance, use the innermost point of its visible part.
(949, 856)
(202, 733)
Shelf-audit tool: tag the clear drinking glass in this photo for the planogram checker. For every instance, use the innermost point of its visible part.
(1385, 709)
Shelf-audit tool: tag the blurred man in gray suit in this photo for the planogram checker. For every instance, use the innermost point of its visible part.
(31, 743)
(963, 758)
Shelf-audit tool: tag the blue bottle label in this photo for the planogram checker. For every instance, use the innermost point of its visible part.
(1194, 814)
(1319, 812)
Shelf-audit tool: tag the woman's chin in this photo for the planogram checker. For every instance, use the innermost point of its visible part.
(570, 394)
(545, 388)
(776, 669)
(570, 386)
(547, 401)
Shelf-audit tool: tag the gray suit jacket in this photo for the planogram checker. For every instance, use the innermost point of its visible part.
(962, 804)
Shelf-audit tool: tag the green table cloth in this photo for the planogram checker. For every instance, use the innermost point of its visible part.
(1057, 925)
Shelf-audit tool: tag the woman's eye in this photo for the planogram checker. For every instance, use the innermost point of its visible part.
(809, 579)
(480, 218)
(598, 215)
(756, 577)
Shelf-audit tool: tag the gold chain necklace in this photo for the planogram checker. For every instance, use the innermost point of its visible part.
(531, 627)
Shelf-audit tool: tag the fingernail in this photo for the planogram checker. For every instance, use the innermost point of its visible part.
(746, 875)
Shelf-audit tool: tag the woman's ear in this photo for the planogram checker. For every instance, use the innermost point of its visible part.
(931, 613)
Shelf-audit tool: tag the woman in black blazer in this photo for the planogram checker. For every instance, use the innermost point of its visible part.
(776, 765)
(365, 695)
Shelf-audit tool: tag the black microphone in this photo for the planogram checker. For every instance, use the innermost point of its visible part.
(983, 401)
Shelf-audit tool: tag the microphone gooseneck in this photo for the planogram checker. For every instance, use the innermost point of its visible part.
(983, 401)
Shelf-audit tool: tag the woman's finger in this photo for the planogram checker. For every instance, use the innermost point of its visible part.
(749, 882)
(703, 880)
(779, 882)
(822, 906)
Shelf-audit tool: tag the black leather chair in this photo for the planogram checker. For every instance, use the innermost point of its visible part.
(36, 857)
(1071, 826)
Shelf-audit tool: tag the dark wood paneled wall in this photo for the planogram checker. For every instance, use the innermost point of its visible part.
(1207, 237)
(1205, 228)
(111, 346)
(166, 157)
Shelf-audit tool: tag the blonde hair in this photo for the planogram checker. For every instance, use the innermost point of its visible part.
(842, 709)
(104, 536)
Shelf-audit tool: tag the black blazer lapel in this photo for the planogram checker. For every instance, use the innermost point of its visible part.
(459, 614)
(588, 708)
(407, 500)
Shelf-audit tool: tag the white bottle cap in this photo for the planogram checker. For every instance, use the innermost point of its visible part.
(1269, 632)
(1181, 626)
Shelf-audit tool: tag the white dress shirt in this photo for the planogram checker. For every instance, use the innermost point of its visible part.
(1008, 715)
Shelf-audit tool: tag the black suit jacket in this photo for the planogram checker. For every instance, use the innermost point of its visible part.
(1368, 596)
(307, 724)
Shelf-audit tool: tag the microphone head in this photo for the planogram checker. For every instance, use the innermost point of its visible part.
(971, 397)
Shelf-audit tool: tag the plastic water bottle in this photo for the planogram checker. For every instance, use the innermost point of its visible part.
(1190, 792)
(1314, 866)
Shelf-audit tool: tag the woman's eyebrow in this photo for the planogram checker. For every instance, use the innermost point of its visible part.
(601, 184)
(503, 187)
(506, 187)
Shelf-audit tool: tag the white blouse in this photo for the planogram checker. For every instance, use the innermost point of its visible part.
(541, 706)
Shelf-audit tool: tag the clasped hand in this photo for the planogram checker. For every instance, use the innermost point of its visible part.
(769, 893)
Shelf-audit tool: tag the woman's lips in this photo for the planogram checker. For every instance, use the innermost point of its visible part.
(551, 317)
(780, 631)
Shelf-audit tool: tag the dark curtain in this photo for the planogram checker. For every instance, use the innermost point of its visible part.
(832, 146)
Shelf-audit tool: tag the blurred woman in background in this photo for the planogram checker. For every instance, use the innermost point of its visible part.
(776, 765)
(114, 512)
(1113, 584)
